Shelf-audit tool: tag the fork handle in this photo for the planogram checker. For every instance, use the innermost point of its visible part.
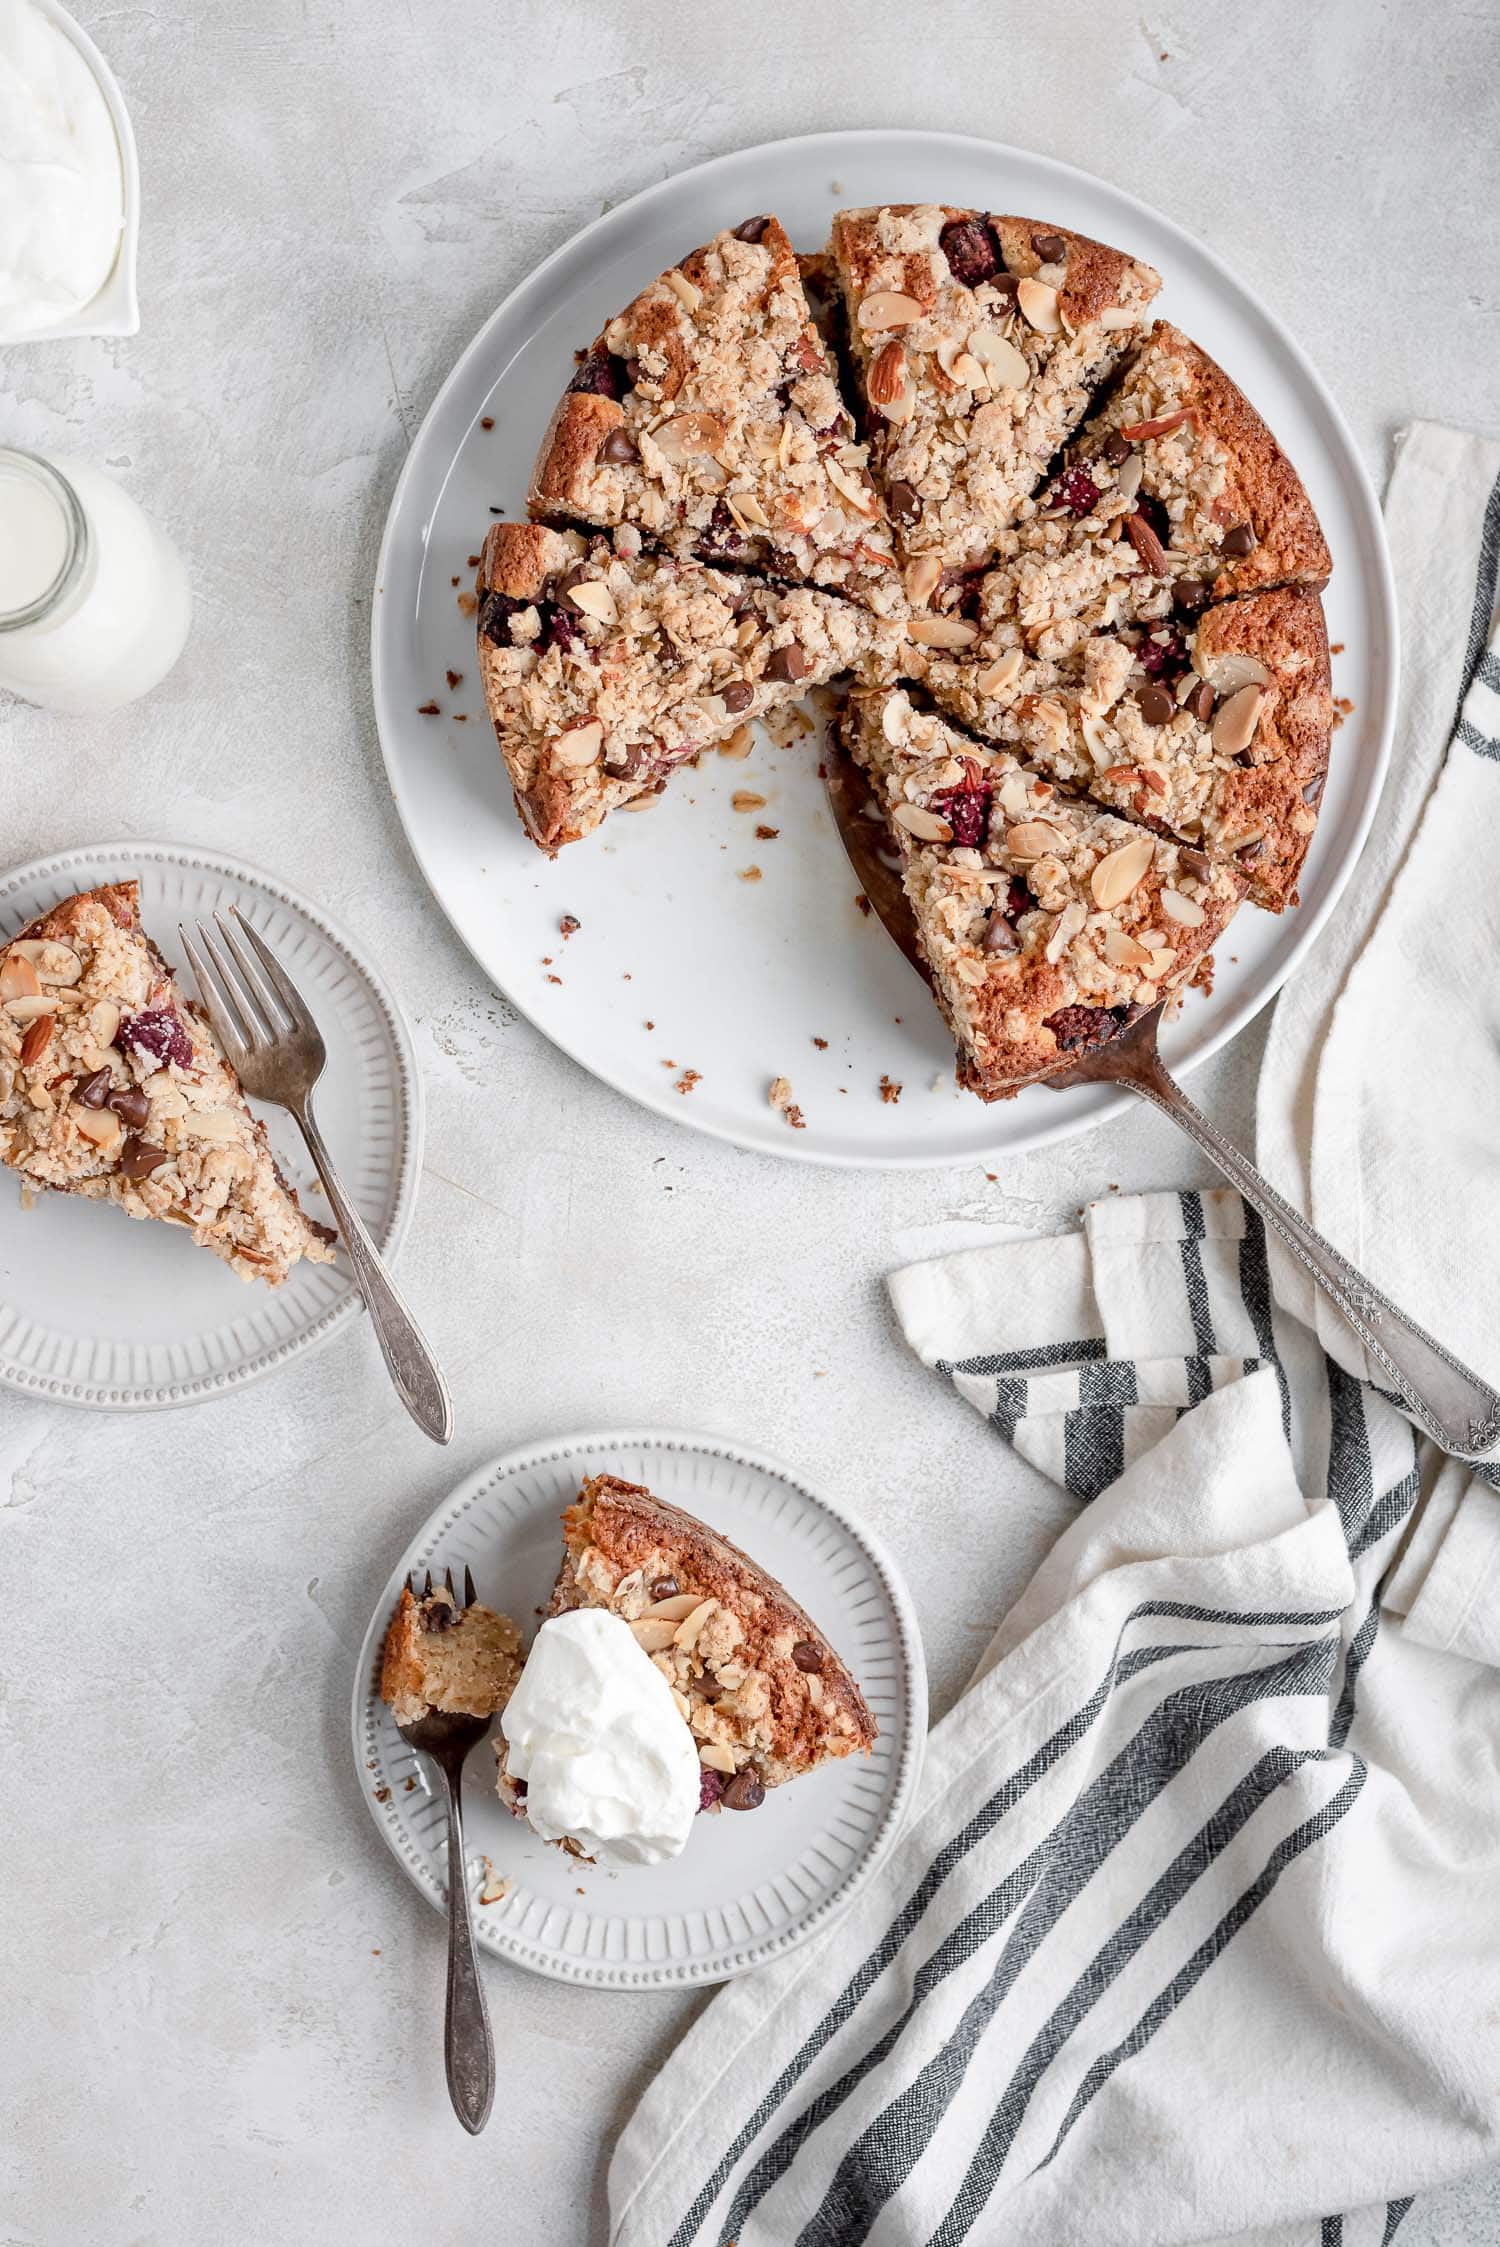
(468, 2045)
(412, 1367)
(1457, 1409)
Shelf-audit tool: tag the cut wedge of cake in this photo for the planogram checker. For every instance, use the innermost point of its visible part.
(708, 415)
(762, 1690)
(439, 1655)
(606, 666)
(1047, 924)
(112, 1086)
(1174, 494)
(979, 342)
(1215, 729)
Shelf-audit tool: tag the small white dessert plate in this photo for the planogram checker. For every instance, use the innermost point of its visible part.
(680, 964)
(748, 1885)
(96, 1309)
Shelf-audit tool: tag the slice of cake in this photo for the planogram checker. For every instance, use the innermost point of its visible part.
(1173, 495)
(606, 666)
(1047, 924)
(763, 1692)
(1215, 729)
(440, 1655)
(112, 1086)
(708, 415)
(979, 342)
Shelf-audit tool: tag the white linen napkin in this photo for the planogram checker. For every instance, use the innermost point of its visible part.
(1195, 1931)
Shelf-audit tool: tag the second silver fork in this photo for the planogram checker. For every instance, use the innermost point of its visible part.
(276, 1049)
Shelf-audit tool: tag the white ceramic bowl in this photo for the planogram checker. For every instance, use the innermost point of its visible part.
(115, 309)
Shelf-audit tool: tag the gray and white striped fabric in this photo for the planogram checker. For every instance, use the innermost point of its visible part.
(1193, 1933)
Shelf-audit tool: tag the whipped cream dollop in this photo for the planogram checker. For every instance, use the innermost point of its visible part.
(62, 184)
(593, 1730)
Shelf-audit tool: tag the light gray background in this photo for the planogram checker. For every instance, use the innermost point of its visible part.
(223, 2001)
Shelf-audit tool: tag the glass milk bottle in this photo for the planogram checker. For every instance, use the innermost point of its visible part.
(94, 600)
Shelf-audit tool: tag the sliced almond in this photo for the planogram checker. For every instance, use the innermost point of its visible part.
(1226, 674)
(1122, 950)
(942, 631)
(895, 719)
(923, 578)
(749, 510)
(1007, 368)
(716, 1756)
(18, 978)
(1235, 721)
(101, 1125)
(679, 1604)
(1115, 316)
(688, 295)
(686, 1634)
(595, 599)
(1039, 306)
(218, 1125)
(888, 308)
(105, 1021)
(33, 1046)
(1117, 875)
(1128, 482)
(1099, 740)
(995, 677)
(1032, 839)
(1136, 432)
(654, 1632)
(1184, 910)
(1162, 958)
(887, 377)
(29, 1009)
(580, 745)
(54, 962)
(924, 824)
(686, 436)
(1069, 921)
(858, 493)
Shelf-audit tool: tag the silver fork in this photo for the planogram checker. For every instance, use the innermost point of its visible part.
(468, 2043)
(275, 1047)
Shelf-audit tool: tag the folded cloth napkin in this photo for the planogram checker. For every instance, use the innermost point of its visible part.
(1195, 1931)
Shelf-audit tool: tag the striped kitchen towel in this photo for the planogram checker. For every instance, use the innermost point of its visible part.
(1195, 1931)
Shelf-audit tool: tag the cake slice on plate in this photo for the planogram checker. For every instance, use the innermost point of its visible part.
(762, 1691)
(112, 1086)
(1214, 728)
(708, 415)
(439, 1655)
(606, 666)
(1174, 494)
(979, 342)
(1046, 923)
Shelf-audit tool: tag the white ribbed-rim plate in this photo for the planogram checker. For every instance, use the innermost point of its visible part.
(748, 1885)
(738, 979)
(98, 1310)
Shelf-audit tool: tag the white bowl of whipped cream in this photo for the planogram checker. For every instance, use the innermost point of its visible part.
(70, 186)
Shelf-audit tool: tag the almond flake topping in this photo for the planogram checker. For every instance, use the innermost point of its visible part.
(1039, 306)
(1118, 874)
(888, 308)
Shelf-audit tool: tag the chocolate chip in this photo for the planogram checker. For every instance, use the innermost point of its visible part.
(495, 614)
(1190, 594)
(562, 588)
(665, 1587)
(1201, 702)
(94, 1090)
(999, 935)
(751, 229)
(619, 446)
(439, 1616)
(1155, 705)
(788, 663)
(806, 1655)
(1198, 864)
(708, 1687)
(1312, 793)
(1049, 247)
(738, 696)
(131, 1105)
(1116, 447)
(744, 1791)
(141, 1158)
(1251, 851)
(903, 502)
(1239, 540)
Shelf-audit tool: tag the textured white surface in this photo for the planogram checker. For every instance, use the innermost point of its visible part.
(223, 2003)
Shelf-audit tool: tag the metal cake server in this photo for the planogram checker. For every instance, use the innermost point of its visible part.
(1457, 1409)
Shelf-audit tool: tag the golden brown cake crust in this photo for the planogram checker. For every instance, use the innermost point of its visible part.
(580, 423)
(814, 1709)
(1279, 795)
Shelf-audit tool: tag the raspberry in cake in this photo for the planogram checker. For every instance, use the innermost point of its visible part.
(762, 1690)
(439, 1655)
(1047, 924)
(1215, 729)
(606, 666)
(979, 342)
(112, 1086)
(708, 416)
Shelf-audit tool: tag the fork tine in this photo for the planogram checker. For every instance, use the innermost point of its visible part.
(219, 1008)
(250, 976)
(287, 990)
(258, 1032)
(427, 1585)
(448, 1580)
(470, 1595)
